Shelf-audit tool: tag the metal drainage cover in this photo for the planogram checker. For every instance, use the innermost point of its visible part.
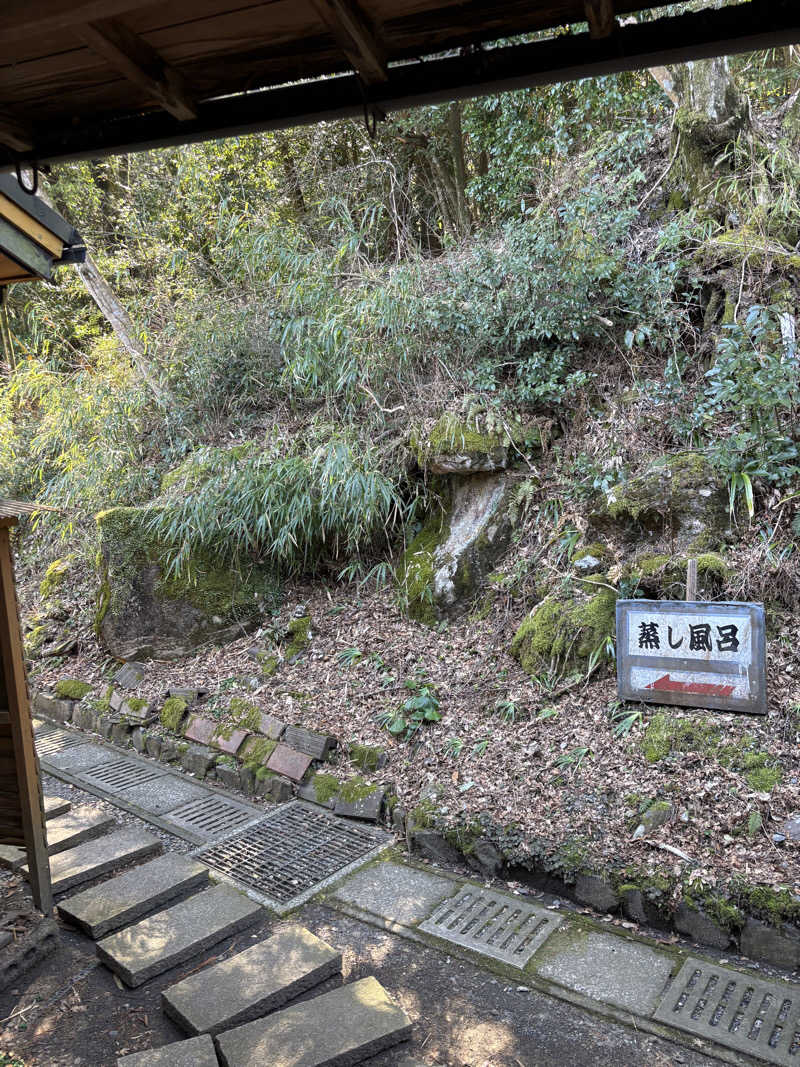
(744, 1013)
(505, 928)
(121, 774)
(48, 742)
(211, 816)
(293, 853)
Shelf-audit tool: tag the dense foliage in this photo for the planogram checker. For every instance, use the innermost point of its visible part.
(312, 295)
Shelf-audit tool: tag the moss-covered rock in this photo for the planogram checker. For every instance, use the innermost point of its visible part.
(457, 446)
(72, 689)
(661, 576)
(567, 631)
(446, 564)
(298, 637)
(366, 757)
(172, 713)
(54, 577)
(681, 498)
(142, 613)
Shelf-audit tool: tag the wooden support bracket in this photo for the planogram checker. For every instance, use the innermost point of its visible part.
(600, 16)
(139, 63)
(352, 31)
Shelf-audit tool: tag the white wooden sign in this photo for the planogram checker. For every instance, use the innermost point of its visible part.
(696, 654)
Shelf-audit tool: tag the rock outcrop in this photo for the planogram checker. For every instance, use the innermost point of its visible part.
(141, 613)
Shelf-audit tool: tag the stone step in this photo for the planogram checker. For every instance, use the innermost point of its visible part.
(168, 938)
(54, 806)
(196, 1052)
(101, 856)
(344, 1026)
(122, 900)
(252, 983)
(83, 823)
(12, 857)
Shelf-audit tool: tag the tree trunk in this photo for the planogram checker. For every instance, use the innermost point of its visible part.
(711, 114)
(119, 320)
(459, 166)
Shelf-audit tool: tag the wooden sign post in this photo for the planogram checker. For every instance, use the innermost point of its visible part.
(21, 808)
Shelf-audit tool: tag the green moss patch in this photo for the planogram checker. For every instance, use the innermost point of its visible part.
(667, 733)
(257, 751)
(72, 689)
(245, 713)
(54, 577)
(171, 715)
(326, 787)
(298, 637)
(416, 569)
(568, 631)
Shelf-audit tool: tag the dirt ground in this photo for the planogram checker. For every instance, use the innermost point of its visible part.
(70, 1012)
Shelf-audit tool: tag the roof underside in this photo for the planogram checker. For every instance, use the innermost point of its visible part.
(82, 78)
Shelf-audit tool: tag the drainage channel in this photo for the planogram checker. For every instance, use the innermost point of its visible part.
(195, 812)
(293, 853)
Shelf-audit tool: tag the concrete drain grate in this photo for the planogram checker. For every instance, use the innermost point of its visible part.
(290, 855)
(120, 774)
(49, 742)
(505, 928)
(212, 815)
(736, 1010)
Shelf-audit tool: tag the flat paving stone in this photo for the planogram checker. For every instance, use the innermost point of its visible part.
(196, 1052)
(163, 794)
(230, 744)
(130, 674)
(54, 806)
(289, 763)
(12, 857)
(396, 892)
(95, 858)
(83, 823)
(122, 900)
(170, 937)
(78, 758)
(200, 729)
(627, 974)
(368, 807)
(339, 1028)
(271, 727)
(254, 982)
(313, 744)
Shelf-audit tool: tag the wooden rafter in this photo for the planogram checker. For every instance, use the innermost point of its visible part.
(22, 19)
(352, 31)
(14, 134)
(600, 16)
(139, 62)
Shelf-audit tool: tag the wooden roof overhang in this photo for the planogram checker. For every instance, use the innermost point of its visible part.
(33, 237)
(83, 78)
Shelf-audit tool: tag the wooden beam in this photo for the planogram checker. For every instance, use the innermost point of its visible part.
(600, 16)
(30, 226)
(352, 31)
(25, 761)
(14, 134)
(23, 19)
(712, 32)
(139, 62)
(24, 251)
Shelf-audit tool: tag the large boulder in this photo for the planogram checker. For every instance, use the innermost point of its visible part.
(444, 566)
(141, 613)
(681, 499)
(454, 446)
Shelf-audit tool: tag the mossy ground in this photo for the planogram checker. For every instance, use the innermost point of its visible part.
(244, 713)
(298, 638)
(365, 757)
(54, 577)
(416, 570)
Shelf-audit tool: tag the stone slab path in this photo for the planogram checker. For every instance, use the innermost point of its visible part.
(148, 789)
(78, 825)
(128, 897)
(252, 983)
(342, 1027)
(169, 937)
(197, 1052)
(100, 856)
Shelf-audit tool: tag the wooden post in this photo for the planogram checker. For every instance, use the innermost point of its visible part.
(691, 579)
(22, 770)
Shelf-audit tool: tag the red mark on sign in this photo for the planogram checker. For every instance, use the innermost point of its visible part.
(706, 689)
